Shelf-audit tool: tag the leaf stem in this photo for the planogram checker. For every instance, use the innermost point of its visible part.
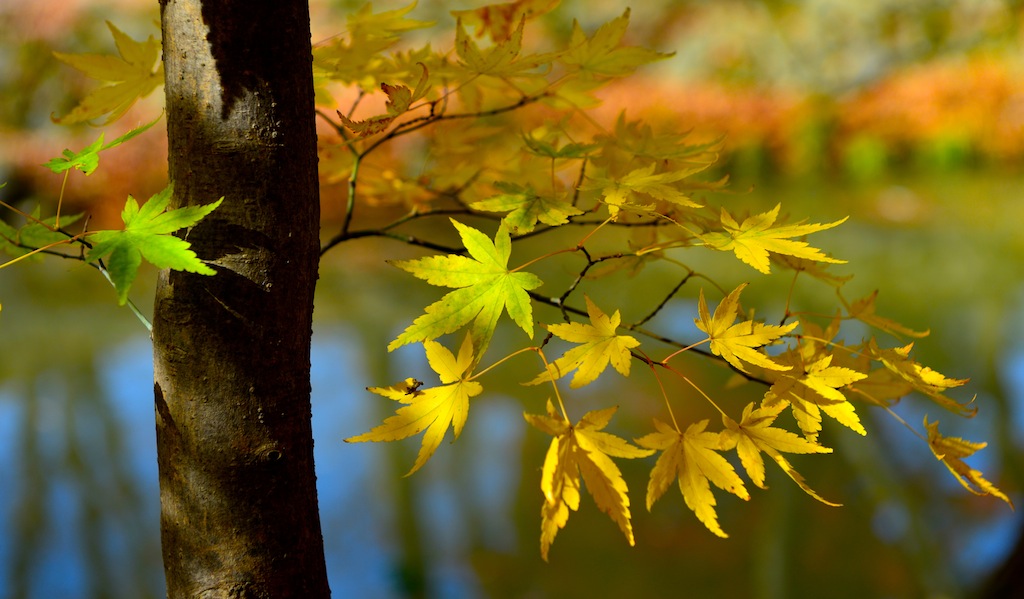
(499, 362)
(554, 384)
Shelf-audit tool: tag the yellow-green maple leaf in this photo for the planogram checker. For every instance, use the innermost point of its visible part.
(600, 344)
(692, 458)
(752, 240)
(755, 433)
(127, 78)
(622, 192)
(526, 207)
(582, 450)
(603, 54)
(360, 57)
(500, 60)
(484, 287)
(434, 409)
(365, 25)
(737, 343)
(951, 451)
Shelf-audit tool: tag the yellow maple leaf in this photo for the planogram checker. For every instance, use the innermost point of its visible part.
(754, 434)
(127, 78)
(922, 378)
(814, 388)
(582, 450)
(864, 311)
(400, 100)
(599, 345)
(951, 451)
(736, 342)
(433, 409)
(752, 240)
(692, 458)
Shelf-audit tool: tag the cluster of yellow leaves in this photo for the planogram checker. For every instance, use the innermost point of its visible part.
(545, 176)
(555, 168)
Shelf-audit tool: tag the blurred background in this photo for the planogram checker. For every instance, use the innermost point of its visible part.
(906, 115)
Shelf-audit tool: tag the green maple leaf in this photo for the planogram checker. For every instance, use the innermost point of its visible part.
(36, 233)
(484, 286)
(87, 159)
(148, 234)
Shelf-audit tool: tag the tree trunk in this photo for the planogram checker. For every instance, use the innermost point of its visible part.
(239, 513)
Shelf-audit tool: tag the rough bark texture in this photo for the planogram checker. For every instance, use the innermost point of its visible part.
(239, 512)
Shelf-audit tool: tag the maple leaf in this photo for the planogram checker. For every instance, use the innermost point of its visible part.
(637, 139)
(434, 409)
(692, 458)
(499, 20)
(882, 387)
(36, 233)
(736, 342)
(582, 450)
(754, 434)
(360, 57)
(526, 207)
(484, 287)
(621, 192)
(87, 159)
(599, 346)
(816, 390)
(128, 78)
(602, 54)
(400, 99)
(542, 147)
(752, 240)
(921, 378)
(864, 311)
(148, 234)
(814, 269)
(500, 60)
(366, 25)
(951, 451)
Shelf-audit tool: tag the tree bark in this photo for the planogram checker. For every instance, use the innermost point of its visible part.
(239, 513)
